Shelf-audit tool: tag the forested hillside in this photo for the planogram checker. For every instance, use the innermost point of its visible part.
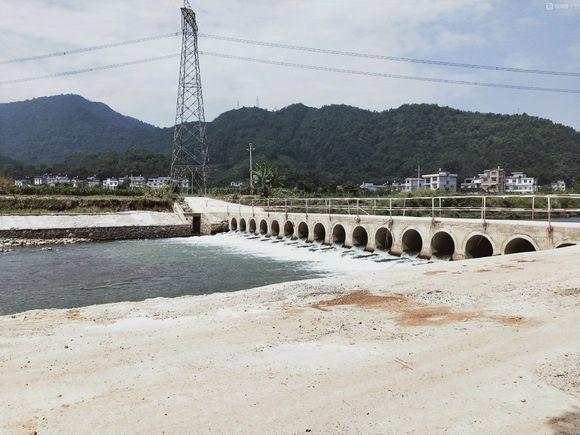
(49, 129)
(330, 145)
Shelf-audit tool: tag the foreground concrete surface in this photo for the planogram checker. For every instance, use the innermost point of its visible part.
(486, 346)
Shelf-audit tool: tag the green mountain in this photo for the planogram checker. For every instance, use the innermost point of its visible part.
(330, 145)
(48, 129)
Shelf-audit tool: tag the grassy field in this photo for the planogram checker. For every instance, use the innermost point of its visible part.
(34, 204)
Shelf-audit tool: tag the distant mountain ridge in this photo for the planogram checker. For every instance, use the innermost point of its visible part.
(332, 144)
(48, 129)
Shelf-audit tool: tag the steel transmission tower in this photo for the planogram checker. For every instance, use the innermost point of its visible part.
(190, 154)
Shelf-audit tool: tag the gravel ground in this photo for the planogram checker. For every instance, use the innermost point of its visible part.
(478, 346)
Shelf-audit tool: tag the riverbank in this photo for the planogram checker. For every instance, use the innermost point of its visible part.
(62, 228)
(484, 345)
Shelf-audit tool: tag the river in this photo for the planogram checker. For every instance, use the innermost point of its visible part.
(95, 273)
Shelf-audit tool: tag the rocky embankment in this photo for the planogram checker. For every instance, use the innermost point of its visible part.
(7, 245)
(28, 230)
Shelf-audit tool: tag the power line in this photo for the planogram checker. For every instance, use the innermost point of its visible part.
(86, 70)
(390, 58)
(300, 48)
(302, 66)
(392, 76)
(88, 49)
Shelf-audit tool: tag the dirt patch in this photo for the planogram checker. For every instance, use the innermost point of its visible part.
(524, 260)
(434, 272)
(292, 310)
(412, 313)
(74, 314)
(567, 423)
(483, 270)
(569, 292)
(364, 299)
(510, 266)
(431, 316)
(507, 320)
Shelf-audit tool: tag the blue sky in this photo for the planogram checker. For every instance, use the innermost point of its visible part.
(507, 33)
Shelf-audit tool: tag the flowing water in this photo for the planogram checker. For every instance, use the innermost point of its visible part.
(96, 273)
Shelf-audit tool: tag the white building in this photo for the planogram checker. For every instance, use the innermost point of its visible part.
(472, 184)
(111, 183)
(371, 187)
(443, 180)
(137, 182)
(62, 179)
(558, 186)
(46, 180)
(23, 182)
(39, 181)
(414, 183)
(156, 183)
(184, 184)
(518, 182)
(93, 182)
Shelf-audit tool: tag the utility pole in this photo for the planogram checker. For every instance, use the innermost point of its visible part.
(250, 149)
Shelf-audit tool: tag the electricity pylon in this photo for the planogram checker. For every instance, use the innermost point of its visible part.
(190, 154)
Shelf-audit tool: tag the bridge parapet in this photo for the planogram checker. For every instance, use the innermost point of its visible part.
(426, 236)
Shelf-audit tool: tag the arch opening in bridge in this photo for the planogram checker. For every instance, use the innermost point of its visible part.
(319, 233)
(442, 245)
(338, 235)
(275, 228)
(412, 242)
(242, 225)
(303, 230)
(565, 245)
(383, 239)
(478, 246)
(263, 227)
(519, 244)
(288, 229)
(252, 226)
(233, 224)
(360, 238)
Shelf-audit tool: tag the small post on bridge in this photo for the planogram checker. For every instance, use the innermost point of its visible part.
(432, 208)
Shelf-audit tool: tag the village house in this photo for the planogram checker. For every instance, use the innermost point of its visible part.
(136, 182)
(22, 182)
(472, 184)
(371, 187)
(414, 183)
(518, 182)
(444, 181)
(558, 186)
(493, 180)
(93, 182)
(111, 183)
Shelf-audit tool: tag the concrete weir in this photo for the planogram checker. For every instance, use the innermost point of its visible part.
(444, 238)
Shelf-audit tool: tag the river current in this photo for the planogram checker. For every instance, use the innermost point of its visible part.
(96, 273)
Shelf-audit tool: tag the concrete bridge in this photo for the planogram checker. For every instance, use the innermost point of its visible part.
(425, 236)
